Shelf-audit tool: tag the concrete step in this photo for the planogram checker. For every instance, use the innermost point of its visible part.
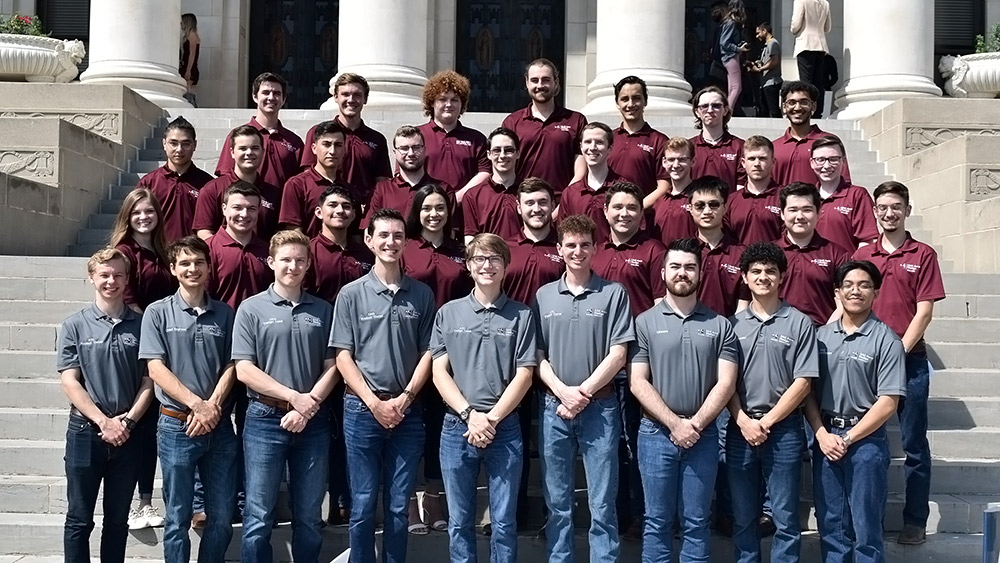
(46, 312)
(963, 413)
(33, 423)
(33, 393)
(33, 457)
(83, 250)
(971, 284)
(147, 166)
(963, 355)
(103, 221)
(980, 441)
(93, 236)
(27, 364)
(965, 383)
(968, 306)
(971, 330)
(40, 267)
(110, 206)
(14, 289)
(28, 337)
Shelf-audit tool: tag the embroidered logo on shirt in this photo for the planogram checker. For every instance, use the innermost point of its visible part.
(730, 268)
(273, 321)
(506, 331)
(729, 156)
(371, 316)
(288, 146)
(635, 262)
(311, 320)
(551, 314)
(462, 330)
(193, 193)
(843, 209)
(371, 145)
(462, 143)
(599, 313)
(554, 258)
(563, 128)
(707, 332)
(410, 313)
(266, 204)
(216, 331)
(773, 209)
(860, 356)
(129, 339)
(663, 331)
(177, 329)
(911, 268)
(822, 262)
(456, 259)
(781, 339)
(645, 147)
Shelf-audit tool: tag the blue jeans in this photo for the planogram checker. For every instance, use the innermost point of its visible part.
(460, 464)
(678, 485)
(912, 411)
(850, 496)
(89, 461)
(630, 500)
(779, 462)
(594, 433)
(214, 456)
(267, 448)
(379, 457)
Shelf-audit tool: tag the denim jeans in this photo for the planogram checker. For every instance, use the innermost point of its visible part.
(89, 461)
(214, 457)
(460, 464)
(912, 412)
(723, 496)
(379, 458)
(267, 448)
(850, 496)
(630, 500)
(337, 481)
(779, 462)
(593, 433)
(678, 485)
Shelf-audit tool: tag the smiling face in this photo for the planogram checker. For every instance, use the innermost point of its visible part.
(433, 213)
(289, 262)
(857, 292)
(502, 154)
(678, 164)
(798, 108)
(388, 239)
(891, 212)
(800, 215)
(535, 209)
(486, 268)
(542, 84)
(329, 150)
(337, 212)
(247, 152)
(109, 279)
(623, 211)
(631, 103)
(269, 98)
(577, 250)
(143, 218)
(828, 163)
(681, 273)
(350, 99)
(764, 280)
(241, 213)
(595, 146)
(190, 269)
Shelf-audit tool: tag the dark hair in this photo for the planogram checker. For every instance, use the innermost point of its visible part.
(534, 184)
(725, 106)
(609, 135)
(755, 142)
(895, 188)
(828, 141)
(384, 214)
(763, 253)
(688, 245)
(632, 79)
(506, 133)
(800, 189)
(798, 86)
(766, 27)
(407, 131)
(241, 187)
(542, 61)
(576, 225)
(708, 185)
(413, 226)
(269, 77)
(851, 265)
(244, 131)
(180, 124)
(336, 189)
(330, 127)
(192, 245)
(623, 188)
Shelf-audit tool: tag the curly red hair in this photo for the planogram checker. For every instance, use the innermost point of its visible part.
(445, 81)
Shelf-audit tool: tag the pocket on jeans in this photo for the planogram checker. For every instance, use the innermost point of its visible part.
(79, 449)
(451, 422)
(353, 404)
(258, 409)
(648, 427)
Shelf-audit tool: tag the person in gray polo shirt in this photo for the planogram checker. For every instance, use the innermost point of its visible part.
(585, 326)
(484, 355)
(186, 341)
(106, 383)
(683, 372)
(765, 438)
(381, 332)
(280, 346)
(862, 375)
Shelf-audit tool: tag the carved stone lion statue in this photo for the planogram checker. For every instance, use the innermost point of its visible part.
(69, 56)
(954, 69)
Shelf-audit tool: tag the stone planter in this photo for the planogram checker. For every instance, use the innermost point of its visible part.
(39, 59)
(971, 76)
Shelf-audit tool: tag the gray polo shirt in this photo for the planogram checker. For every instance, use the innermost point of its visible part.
(387, 332)
(576, 332)
(771, 50)
(287, 341)
(856, 369)
(485, 345)
(107, 354)
(683, 353)
(194, 346)
(773, 353)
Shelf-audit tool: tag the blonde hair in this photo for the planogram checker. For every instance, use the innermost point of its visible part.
(488, 242)
(291, 236)
(122, 226)
(105, 255)
(189, 23)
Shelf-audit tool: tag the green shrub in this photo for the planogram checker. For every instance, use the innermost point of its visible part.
(22, 25)
(991, 43)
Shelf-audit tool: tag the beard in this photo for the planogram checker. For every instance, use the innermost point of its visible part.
(676, 288)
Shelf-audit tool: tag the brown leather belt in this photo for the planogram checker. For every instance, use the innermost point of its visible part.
(647, 414)
(605, 392)
(181, 416)
(271, 402)
(381, 395)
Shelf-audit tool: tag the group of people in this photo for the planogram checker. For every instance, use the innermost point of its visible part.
(660, 304)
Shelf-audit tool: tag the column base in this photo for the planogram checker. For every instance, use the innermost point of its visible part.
(157, 83)
(393, 87)
(669, 93)
(865, 95)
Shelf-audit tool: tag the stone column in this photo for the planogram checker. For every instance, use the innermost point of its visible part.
(644, 38)
(137, 44)
(888, 54)
(386, 42)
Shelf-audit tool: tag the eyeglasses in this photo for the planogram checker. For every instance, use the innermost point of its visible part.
(493, 259)
(700, 206)
(186, 145)
(821, 160)
(896, 208)
(863, 286)
(506, 151)
(713, 105)
(409, 148)
(797, 103)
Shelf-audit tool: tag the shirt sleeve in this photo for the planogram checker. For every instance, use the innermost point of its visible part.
(929, 284)
(639, 352)
(383, 168)
(226, 162)
(152, 345)
(69, 353)
(539, 328)
(426, 328)
(527, 341)
(375, 203)
(230, 315)
(291, 205)
(622, 326)
(470, 213)
(307, 159)
(730, 349)
(482, 161)
(891, 369)
(245, 336)
(437, 346)
(131, 292)
(806, 362)
(342, 334)
(208, 209)
(656, 282)
(865, 227)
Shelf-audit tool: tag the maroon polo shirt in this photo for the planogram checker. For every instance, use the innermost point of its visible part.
(208, 210)
(177, 195)
(791, 158)
(548, 148)
(441, 268)
(282, 151)
(366, 156)
(636, 264)
(670, 218)
(910, 274)
(753, 217)
(847, 217)
(301, 197)
(333, 266)
(149, 277)
(722, 285)
(396, 193)
(532, 265)
(238, 271)
(491, 208)
(579, 199)
(723, 159)
(638, 156)
(454, 156)
(808, 283)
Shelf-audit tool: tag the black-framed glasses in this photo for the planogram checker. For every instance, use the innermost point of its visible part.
(506, 151)
(493, 259)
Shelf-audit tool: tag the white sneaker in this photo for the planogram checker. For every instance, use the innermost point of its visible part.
(136, 520)
(151, 516)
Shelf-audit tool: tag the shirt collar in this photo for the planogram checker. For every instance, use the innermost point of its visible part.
(479, 307)
(593, 285)
(643, 131)
(549, 240)
(98, 314)
(748, 314)
(182, 305)
(376, 284)
(700, 309)
(278, 300)
(909, 245)
(329, 244)
(633, 243)
(865, 329)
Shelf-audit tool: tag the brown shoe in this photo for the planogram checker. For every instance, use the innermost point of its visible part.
(912, 535)
(198, 521)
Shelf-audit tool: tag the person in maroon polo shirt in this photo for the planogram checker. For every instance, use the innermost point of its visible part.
(455, 153)
(549, 133)
(752, 213)
(177, 184)
(792, 150)
(491, 206)
(812, 260)
(722, 288)
(846, 217)
(911, 283)
(587, 195)
(246, 145)
(534, 259)
(366, 151)
(411, 159)
(238, 256)
(282, 147)
(302, 192)
(717, 151)
(637, 150)
(668, 211)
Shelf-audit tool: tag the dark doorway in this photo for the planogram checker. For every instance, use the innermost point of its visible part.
(297, 40)
(69, 19)
(496, 39)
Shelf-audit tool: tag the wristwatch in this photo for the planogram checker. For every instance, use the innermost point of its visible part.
(847, 439)
(464, 415)
(129, 423)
